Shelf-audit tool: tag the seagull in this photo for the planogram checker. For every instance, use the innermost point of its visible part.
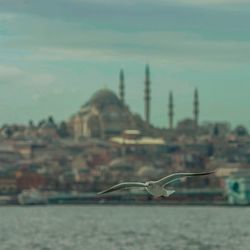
(155, 188)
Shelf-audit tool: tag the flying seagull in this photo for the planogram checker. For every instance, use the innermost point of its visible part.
(155, 188)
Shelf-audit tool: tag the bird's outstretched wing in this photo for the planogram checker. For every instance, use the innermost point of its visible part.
(170, 178)
(123, 185)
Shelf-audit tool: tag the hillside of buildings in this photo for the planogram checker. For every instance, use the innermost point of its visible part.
(105, 142)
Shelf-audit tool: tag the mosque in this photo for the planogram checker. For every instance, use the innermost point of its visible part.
(106, 114)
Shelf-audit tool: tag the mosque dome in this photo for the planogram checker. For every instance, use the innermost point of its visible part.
(103, 98)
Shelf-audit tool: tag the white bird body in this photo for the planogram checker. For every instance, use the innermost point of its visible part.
(155, 188)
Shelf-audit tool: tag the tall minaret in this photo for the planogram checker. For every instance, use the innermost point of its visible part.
(196, 107)
(171, 110)
(121, 87)
(147, 95)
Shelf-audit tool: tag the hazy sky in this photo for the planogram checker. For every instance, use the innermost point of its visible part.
(54, 54)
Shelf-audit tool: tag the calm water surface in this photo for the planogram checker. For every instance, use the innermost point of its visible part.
(124, 227)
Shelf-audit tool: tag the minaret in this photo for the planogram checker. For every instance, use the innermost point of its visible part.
(171, 110)
(196, 107)
(121, 87)
(147, 95)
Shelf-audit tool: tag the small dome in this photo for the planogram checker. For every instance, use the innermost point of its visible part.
(104, 97)
(147, 171)
(121, 164)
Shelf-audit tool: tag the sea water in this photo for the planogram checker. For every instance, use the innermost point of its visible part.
(124, 227)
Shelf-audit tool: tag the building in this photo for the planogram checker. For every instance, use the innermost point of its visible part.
(238, 187)
(103, 116)
(7, 185)
(132, 141)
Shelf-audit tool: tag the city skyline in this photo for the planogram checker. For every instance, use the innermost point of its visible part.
(56, 54)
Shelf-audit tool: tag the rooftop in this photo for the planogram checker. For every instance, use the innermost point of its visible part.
(104, 97)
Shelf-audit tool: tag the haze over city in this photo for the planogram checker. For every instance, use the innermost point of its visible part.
(56, 54)
(124, 124)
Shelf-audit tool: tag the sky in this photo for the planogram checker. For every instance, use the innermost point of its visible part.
(54, 54)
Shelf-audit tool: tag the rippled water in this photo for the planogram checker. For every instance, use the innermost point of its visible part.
(124, 227)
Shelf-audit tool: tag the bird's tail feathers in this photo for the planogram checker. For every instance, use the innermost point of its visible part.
(169, 192)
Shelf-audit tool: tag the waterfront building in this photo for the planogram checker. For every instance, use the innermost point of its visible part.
(238, 187)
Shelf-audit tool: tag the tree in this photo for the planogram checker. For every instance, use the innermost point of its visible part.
(41, 123)
(240, 130)
(31, 124)
(63, 130)
(51, 120)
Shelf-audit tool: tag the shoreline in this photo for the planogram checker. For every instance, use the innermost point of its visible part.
(131, 203)
(181, 198)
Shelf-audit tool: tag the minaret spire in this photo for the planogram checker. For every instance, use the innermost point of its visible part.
(196, 107)
(171, 110)
(147, 95)
(122, 87)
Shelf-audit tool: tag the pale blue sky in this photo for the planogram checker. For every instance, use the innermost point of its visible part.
(54, 54)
